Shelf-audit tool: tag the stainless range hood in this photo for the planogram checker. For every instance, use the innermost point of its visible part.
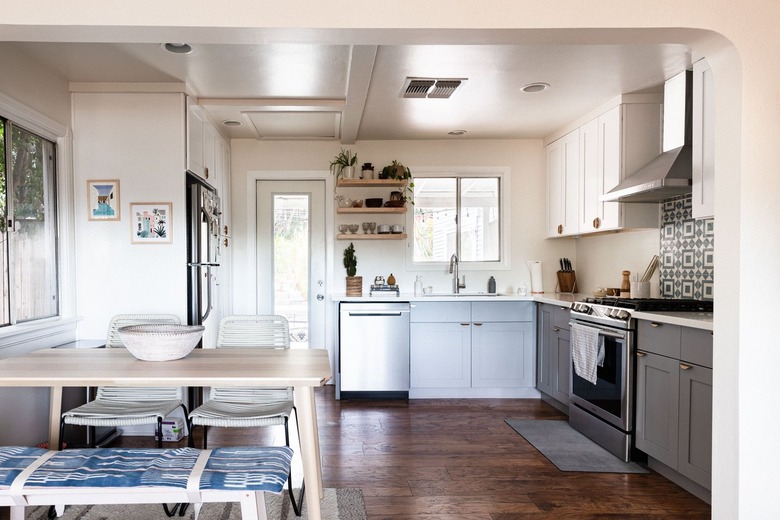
(668, 175)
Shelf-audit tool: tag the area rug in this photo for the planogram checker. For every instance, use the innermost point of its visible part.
(570, 450)
(338, 504)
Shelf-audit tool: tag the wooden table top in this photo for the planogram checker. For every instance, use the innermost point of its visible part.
(202, 367)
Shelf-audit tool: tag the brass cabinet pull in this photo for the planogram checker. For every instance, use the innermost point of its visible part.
(654, 324)
(560, 229)
(477, 324)
(225, 242)
(555, 329)
(640, 354)
(596, 222)
(206, 172)
(685, 367)
(464, 324)
(226, 231)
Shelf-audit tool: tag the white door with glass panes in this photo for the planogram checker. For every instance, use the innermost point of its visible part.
(291, 257)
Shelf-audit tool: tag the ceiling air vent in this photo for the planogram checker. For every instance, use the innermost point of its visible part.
(430, 87)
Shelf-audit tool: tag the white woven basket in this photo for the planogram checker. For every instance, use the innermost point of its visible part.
(160, 342)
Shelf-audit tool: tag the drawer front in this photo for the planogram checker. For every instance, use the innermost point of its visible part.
(561, 317)
(483, 312)
(659, 338)
(440, 312)
(696, 347)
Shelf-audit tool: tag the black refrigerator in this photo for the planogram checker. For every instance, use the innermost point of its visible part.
(202, 256)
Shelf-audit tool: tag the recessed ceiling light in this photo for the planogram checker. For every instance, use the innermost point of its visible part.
(456, 132)
(177, 48)
(231, 122)
(532, 88)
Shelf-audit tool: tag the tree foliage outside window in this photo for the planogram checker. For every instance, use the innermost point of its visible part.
(28, 226)
(457, 215)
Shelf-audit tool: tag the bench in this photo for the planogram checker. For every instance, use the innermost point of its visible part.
(39, 477)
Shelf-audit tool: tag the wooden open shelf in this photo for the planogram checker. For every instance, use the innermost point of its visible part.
(365, 210)
(376, 236)
(370, 183)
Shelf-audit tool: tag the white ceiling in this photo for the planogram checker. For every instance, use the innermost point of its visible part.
(353, 92)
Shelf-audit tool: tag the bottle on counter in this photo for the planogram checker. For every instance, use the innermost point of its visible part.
(492, 285)
(418, 286)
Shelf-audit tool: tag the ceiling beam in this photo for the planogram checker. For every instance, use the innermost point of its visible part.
(361, 67)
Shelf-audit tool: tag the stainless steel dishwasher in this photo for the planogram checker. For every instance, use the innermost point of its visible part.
(374, 350)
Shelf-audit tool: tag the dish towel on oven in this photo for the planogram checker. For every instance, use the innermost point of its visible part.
(587, 351)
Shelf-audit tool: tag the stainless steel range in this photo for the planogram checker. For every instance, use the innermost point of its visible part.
(603, 410)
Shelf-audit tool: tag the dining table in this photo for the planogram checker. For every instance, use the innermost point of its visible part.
(301, 369)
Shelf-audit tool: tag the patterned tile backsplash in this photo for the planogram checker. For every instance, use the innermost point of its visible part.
(686, 252)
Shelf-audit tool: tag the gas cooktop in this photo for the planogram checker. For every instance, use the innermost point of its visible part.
(654, 304)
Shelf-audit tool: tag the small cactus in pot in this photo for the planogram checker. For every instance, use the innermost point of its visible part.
(354, 283)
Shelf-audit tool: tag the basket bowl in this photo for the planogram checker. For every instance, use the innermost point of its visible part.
(160, 342)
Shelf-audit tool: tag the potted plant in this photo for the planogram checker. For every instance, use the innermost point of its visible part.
(344, 164)
(399, 172)
(354, 283)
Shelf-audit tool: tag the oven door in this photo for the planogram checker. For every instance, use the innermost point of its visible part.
(610, 398)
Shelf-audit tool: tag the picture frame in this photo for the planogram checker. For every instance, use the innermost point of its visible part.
(103, 199)
(151, 222)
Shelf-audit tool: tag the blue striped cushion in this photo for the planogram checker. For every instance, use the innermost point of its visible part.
(13, 460)
(246, 468)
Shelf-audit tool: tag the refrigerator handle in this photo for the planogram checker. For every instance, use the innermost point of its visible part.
(208, 294)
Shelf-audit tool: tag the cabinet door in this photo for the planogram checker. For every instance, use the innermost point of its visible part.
(440, 355)
(657, 407)
(703, 141)
(563, 185)
(695, 458)
(610, 167)
(502, 355)
(544, 371)
(211, 168)
(561, 346)
(600, 164)
(194, 139)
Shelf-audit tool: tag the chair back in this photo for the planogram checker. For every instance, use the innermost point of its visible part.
(141, 394)
(124, 320)
(263, 331)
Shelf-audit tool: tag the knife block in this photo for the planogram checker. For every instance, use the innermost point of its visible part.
(567, 282)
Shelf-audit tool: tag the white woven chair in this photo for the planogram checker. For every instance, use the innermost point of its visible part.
(246, 406)
(125, 406)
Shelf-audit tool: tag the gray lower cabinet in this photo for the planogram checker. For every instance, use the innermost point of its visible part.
(674, 398)
(471, 349)
(553, 352)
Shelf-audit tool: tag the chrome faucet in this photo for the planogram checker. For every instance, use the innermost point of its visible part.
(456, 283)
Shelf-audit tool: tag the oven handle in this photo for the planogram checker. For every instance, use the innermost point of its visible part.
(612, 334)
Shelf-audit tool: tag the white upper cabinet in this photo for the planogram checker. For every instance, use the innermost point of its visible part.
(703, 141)
(563, 172)
(611, 145)
(203, 145)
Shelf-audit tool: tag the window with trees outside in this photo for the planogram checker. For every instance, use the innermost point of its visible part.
(457, 215)
(28, 228)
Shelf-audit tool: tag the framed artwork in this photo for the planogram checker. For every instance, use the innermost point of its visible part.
(151, 222)
(103, 199)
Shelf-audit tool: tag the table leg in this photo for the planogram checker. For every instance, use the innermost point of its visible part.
(55, 412)
(304, 400)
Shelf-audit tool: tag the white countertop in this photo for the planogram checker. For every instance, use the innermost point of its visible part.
(696, 320)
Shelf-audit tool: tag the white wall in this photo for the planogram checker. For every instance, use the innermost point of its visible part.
(525, 159)
(26, 81)
(138, 139)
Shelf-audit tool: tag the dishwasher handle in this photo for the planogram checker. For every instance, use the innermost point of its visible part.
(377, 313)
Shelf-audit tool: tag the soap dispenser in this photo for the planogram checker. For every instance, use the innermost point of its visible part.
(492, 285)
(418, 287)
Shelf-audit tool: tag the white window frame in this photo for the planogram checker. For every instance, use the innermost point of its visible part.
(505, 228)
(60, 329)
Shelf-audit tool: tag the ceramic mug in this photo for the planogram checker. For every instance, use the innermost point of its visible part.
(428, 290)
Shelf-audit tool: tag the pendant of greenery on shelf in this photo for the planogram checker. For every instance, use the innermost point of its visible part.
(350, 260)
(398, 172)
(344, 159)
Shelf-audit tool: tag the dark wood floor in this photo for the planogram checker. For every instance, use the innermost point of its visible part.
(457, 459)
